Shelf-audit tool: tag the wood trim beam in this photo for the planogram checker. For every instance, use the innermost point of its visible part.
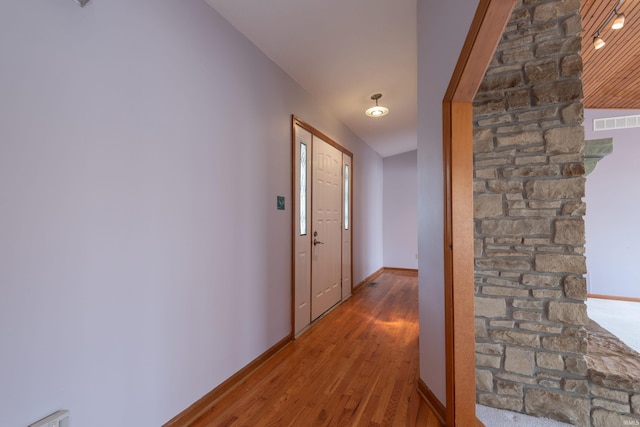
(459, 291)
(413, 271)
(320, 135)
(485, 32)
(612, 297)
(457, 119)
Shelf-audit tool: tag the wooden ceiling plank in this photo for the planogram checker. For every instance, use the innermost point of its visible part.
(611, 75)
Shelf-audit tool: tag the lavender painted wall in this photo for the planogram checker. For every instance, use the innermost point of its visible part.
(442, 29)
(400, 217)
(613, 203)
(367, 211)
(142, 258)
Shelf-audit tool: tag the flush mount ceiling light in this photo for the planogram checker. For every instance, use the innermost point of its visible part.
(378, 110)
(82, 3)
(618, 23)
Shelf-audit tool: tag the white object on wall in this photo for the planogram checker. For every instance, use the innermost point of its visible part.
(59, 419)
(622, 122)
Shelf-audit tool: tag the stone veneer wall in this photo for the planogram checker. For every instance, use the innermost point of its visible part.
(614, 379)
(528, 185)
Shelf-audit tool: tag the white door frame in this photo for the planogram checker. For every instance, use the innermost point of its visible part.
(300, 241)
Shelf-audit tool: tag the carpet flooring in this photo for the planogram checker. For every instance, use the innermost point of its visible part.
(621, 318)
(492, 417)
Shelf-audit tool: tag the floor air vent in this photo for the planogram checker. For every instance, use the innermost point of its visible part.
(372, 284)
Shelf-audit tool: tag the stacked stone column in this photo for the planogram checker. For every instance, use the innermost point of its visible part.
(528, 189)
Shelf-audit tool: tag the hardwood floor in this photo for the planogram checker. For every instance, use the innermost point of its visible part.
(357, 366)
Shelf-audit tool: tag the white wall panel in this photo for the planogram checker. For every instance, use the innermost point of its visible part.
(613, 202)
(442, 29)
(400, 210)
(142, 258)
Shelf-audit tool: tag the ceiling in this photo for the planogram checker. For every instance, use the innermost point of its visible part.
(611, 75)
(342, 52)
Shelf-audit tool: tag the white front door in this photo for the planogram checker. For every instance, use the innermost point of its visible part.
(326, 236)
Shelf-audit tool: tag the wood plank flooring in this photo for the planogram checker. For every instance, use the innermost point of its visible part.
(357, 366)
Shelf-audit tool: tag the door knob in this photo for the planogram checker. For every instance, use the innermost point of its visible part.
(317, 242)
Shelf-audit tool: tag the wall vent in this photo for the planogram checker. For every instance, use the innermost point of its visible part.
(59, 419)
(623, 122)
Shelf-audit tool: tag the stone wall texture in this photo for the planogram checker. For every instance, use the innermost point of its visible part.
(532, 345)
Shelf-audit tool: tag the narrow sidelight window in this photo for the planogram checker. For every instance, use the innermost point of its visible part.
(303, 189)
(346, 197)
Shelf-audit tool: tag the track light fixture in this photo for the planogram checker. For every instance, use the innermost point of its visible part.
(618, 22)
(597, 41)
(378, 110)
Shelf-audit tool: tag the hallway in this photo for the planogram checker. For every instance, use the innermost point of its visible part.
(357, 366)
